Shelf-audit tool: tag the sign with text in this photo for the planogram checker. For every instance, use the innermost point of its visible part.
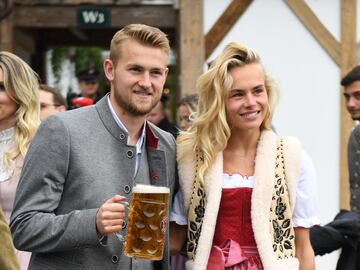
(93, 17)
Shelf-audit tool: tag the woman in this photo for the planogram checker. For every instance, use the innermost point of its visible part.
(19, 119)
(249, 194)
(186, 108)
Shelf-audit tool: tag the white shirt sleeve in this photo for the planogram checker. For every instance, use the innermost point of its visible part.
(306, 205)
(177, 213)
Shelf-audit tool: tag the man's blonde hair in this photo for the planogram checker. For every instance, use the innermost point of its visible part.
(144, 34)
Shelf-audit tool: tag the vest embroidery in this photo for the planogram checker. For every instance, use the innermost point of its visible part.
(281, 229)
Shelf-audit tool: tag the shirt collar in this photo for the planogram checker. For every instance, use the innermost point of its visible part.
(140, 140)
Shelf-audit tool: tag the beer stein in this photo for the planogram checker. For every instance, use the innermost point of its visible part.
(147, 222)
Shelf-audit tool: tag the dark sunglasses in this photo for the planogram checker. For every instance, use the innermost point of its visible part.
(2, 86)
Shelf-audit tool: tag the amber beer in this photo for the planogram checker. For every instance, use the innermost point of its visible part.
(147, 223)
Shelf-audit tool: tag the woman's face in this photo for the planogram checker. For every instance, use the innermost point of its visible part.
(8, 106)
(184, 117)
(247, 102)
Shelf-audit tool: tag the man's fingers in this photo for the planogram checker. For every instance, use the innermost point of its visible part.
(116, 199)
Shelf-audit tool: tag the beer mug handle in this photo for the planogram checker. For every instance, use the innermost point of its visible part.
(118, 234)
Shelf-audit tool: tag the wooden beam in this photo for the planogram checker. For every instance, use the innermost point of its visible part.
(7, 34)
(223, 25)
(93, 2)
(191, 46)
(348, 61)
(316, 28)
(65, 16)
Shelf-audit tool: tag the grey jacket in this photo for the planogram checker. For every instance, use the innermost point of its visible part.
(76, 161)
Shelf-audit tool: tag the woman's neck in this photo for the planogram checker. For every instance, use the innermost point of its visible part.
(6, 124)
(243, 142)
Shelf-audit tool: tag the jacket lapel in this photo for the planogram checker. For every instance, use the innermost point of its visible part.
(156, 159)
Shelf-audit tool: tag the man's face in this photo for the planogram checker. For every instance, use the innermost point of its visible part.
(88, 88)
(47, 105)
(352, 99)
(138, 78)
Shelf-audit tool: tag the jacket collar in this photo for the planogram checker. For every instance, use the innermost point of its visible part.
(110, 124)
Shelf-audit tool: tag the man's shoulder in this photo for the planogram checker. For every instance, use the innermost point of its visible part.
(355, 134)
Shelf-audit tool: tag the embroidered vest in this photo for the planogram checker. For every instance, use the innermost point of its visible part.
(280, 224)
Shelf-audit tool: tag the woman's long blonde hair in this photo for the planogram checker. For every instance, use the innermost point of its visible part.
(22, 85)
(210, 130)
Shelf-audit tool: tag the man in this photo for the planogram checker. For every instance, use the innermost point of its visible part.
(344, 231)
(351, 83)
(51, 101)
(7, 255)
(88, 84)
(82, 164)
(158, 116)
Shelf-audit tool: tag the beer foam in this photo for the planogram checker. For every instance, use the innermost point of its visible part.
(149, 189)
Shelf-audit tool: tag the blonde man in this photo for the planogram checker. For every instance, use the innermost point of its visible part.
(83, 163)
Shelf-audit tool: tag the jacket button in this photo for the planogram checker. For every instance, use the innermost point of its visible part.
(129, 153)
(122, 136)
(124, 225)
(114, 259)
(127, 189)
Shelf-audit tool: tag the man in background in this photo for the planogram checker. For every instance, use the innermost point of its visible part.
(89, 89)
(51, 101)
(158, 116)
(344, 231)
(89, 84)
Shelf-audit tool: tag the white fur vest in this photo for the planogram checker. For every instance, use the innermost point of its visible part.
(260, 202)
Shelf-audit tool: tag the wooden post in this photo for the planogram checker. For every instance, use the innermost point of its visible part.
(191, 45)
(348, 61)
(7, 34)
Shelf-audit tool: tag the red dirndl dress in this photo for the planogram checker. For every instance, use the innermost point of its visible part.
(234, 246)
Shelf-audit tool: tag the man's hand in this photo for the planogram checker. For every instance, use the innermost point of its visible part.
(110, 217)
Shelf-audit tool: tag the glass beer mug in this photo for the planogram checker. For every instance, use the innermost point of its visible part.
(147, 222)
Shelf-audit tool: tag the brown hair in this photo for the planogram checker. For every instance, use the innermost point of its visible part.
(58, 99)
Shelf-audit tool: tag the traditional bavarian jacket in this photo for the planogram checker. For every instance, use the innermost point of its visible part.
(270, 202)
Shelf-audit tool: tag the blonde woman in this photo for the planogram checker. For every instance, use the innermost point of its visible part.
(19, 119)
(248, 193)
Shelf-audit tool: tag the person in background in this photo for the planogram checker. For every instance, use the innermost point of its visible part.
(344, 231)
(19, 119)
(83, 164)
(8, 260)
(158, 116)
(89, 83)
(241, 211)
(51, 101)
(89, 89)
(186, 108)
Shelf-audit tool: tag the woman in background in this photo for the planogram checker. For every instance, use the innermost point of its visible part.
(248, 195)
(185, 110)
(19, 119)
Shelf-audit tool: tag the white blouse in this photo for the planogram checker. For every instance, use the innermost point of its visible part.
(306, 205)
(7, 140)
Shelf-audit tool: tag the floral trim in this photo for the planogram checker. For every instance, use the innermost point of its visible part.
(196, 212)
(280, 223)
